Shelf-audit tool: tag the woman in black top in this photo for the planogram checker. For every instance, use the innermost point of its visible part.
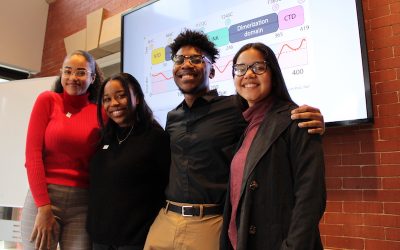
(276, 195)
(129, 172)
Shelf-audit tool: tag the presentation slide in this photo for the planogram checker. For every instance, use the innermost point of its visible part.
(317, 44)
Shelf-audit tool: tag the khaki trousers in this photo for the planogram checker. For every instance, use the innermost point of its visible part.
(171, 230)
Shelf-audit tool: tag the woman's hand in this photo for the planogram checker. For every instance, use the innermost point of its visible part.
(314, 119)
(45, 228)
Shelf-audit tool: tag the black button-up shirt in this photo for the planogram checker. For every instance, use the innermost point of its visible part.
(203, 139)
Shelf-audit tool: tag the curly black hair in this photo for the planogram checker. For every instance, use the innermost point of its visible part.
(196, 39)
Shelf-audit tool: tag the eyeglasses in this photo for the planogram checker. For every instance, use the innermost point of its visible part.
(258, 68)
(193, 59)
(66, 72)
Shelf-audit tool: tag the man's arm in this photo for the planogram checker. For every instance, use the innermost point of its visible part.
(314, 119)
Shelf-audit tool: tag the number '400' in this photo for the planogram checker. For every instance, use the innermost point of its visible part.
(297, 72)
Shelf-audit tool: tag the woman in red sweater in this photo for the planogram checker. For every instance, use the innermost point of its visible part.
(62, 136)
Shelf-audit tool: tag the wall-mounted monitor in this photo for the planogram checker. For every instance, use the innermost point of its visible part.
(320, 46)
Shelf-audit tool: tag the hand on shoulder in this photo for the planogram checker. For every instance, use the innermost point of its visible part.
(313, 119)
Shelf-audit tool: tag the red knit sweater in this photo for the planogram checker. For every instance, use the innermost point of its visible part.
(62, 136)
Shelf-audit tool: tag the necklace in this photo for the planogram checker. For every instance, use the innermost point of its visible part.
(126, 137)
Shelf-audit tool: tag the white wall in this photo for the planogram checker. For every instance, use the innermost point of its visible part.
(16, 101)
(22, 32)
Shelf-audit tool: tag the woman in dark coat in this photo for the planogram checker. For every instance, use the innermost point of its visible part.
(276, 195)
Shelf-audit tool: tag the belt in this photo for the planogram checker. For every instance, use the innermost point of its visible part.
(194, 210)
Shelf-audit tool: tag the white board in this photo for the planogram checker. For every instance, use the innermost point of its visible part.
(16, 101)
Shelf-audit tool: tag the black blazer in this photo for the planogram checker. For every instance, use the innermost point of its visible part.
(283, 191)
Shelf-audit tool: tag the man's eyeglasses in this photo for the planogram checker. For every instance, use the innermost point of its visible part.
(258, 68)
(78, 73)
(193, 59)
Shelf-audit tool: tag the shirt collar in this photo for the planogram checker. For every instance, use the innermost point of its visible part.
(207, 97)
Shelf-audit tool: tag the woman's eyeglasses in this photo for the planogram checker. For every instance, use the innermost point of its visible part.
(258, 68)
(66, 72)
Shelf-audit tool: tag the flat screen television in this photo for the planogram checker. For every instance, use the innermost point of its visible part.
(320, 46)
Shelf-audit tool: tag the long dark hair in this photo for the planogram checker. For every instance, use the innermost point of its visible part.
(141, 116)
(94, 68)
(279, 89)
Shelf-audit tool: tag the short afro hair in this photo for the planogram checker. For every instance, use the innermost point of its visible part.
(196, 39)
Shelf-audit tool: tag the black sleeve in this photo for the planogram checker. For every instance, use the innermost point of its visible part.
(307, 160)
(163, 160)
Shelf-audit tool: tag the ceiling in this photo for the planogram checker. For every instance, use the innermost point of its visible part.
(22, 33)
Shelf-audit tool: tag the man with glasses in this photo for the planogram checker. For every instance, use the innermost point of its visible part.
(204, 130)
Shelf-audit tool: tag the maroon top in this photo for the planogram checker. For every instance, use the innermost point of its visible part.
(254, 116)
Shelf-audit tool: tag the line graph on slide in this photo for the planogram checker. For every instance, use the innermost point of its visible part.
(162, 82)
(223, 69)
(161, 76)
(289, 54)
